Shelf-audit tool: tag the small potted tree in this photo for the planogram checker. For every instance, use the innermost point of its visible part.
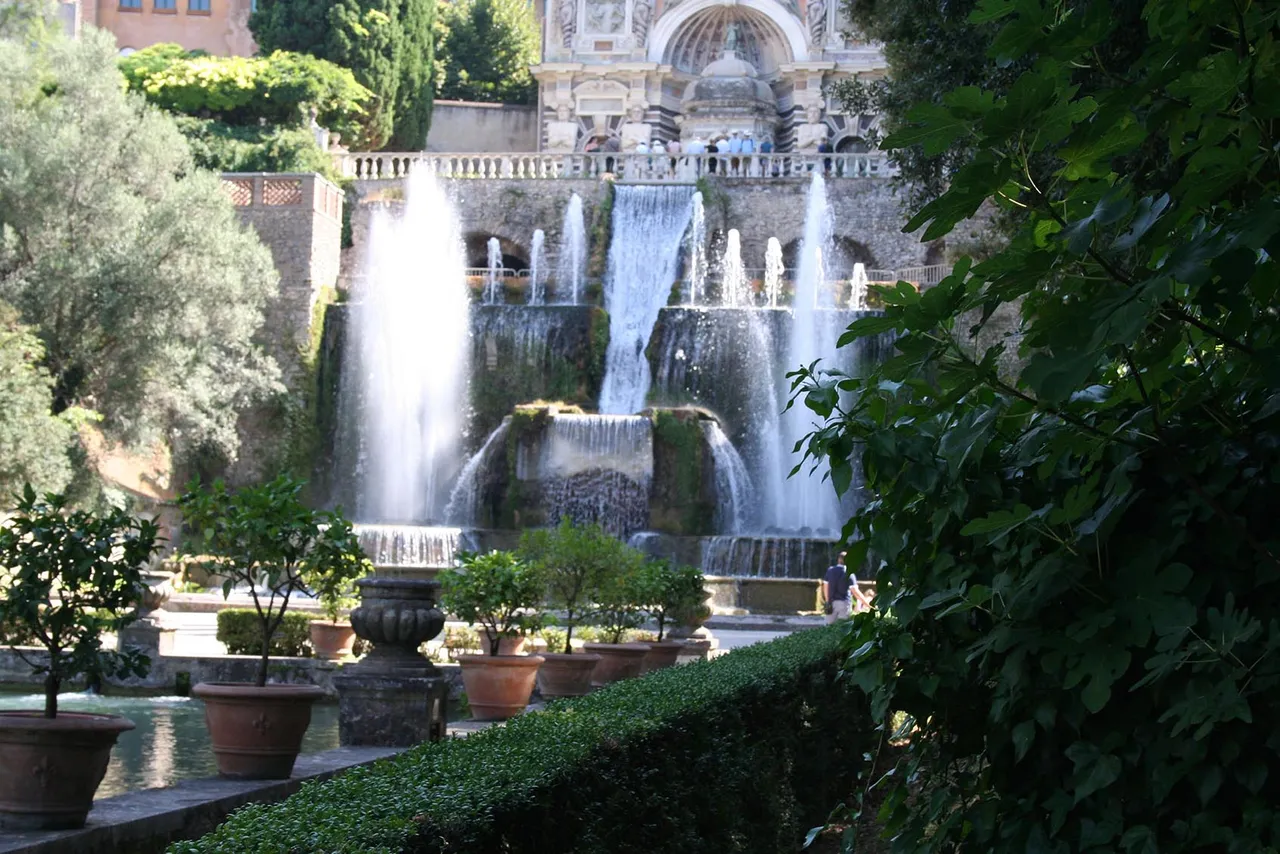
(497, 592)
(619, 610)
(69, 577)
(671, 593)
(332, 570)
(268, 542)
(574, 560)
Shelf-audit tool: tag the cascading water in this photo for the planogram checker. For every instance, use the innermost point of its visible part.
(773, 269)
(696, 282)
(537, 268)
(493, 279)
(464, 501)
(734, 290)
(407, 358)
(858, 288)
(648, 226)
(410, 546)
(571, 267)
(734, 493)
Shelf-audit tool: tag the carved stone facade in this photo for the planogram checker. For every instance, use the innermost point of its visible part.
(625, 69)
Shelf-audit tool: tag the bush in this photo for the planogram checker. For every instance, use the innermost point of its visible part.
(739, 754)
(258, 148)
(238, 628)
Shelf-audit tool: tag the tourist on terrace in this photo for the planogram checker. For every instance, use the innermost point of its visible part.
(657, 146)
(713, 149)
(839, 585)
(749, 148)
(673, 148)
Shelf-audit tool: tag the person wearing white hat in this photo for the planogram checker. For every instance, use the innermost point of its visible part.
(749, 149)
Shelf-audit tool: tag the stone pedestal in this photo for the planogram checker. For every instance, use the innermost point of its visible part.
(394, 697)
(149, 635)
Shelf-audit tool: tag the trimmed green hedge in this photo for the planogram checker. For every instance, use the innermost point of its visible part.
(740, 754)
(238, 628)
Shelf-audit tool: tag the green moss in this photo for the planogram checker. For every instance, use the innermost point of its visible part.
(601, 234)
(678, 503)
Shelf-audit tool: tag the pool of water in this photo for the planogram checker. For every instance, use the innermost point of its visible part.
(170, 742)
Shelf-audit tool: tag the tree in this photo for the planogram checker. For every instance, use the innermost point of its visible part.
(144, 288)
(1080, 563)
(35, 444)
(387, 44)
(487, 52)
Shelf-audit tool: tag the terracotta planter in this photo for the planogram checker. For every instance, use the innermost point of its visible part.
(566, 675)
(256, 732)
(618, 661)
(507, 644)
(661, 654)
(52, 767)
(498, 686)
(332, 641)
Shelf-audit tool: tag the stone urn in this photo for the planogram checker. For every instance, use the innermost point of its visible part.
(150, 631)
(156, 588)
(397, 616)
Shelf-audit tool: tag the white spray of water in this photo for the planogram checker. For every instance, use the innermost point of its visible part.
(538, 268)
(734, 492)
(773, 270)
(464, 498)
(696, 283)
(411, 335)
(734, 290)
(571, 268)
(858, 288)
(493, 281)
(648, 226)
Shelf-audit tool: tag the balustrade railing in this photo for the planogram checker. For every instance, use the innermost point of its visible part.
(629, 168)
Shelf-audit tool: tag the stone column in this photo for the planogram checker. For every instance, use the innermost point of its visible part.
(394, 697)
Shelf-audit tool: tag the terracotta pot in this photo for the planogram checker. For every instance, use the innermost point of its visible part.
(617, 661)
(256, 732)
(507, 644)
(498, 686)
(566, 675)
(332, 641)
(52, 767)
(661, 654)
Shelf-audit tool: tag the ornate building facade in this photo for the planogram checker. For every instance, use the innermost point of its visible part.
(679, 69)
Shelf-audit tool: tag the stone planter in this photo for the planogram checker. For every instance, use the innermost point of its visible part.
(618, 661)
(397, 615)
(661, 654)
(332, 641)
(256, 732)
(498, 686)
(52, 767)
(566, 675)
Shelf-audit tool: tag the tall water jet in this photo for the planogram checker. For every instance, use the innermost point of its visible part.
(493, 278)
(538, 268)
(773, 269)
(734, 494)
(734, 289)
(648, 225)
(408, 358)
(696, 283)
(571, 267)
(858, 288)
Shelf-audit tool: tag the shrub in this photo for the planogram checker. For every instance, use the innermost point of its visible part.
(238, 629)
(576, 559)
(495, 591)
(742, 753)
(258, 148)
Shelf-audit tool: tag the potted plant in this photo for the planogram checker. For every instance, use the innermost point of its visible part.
(497, 592)
(331, 574)
(268, 542)
(574, 560)
(671, 592)
(69, 577)
(619, 610)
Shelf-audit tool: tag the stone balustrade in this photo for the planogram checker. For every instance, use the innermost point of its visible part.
(629, 168)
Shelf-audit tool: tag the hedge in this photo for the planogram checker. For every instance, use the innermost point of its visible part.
(740, 754)
(239, 629)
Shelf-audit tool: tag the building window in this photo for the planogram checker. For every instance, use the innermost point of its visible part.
(131, 5)
(165, 5)
(198, 7)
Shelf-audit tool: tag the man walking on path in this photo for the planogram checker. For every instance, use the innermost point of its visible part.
(838, 585)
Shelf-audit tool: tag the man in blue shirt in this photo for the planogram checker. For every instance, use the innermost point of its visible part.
(838, 585)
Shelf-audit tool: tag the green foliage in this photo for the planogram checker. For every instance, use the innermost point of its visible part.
(220, 147)
(677, 505)
(487, 50)
(1081, 562)
(622, 596)
(662, 763)
(575, 560)
(270, 543)
(238, 628)
(334, 565)
(496, 591)
(35, 445)
(670, 592)
(132, 266)
(68, 578)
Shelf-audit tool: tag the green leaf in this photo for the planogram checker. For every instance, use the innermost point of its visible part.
(1024, 735)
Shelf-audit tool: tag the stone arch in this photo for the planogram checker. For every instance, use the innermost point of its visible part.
(514, 255)
(671, 24)
(847, 253)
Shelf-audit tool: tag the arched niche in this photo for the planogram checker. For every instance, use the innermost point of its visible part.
(692, 34)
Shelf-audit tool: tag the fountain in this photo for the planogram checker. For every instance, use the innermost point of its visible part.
(571, 269)
(537, 268)
(734, 493)
(493, 278)
(773, 269)
(696, 283)
(858, 288)
(734, 289)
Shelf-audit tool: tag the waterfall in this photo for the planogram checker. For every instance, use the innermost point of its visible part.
(412, 545)
(858, 288)
(773, 269)
(734, 290)
(493, 279)
(537, 268)
(734, 494)
(766, 557)
(696, 283)
(648, 225)
(465, 498)
(571, 268)
(407, 358)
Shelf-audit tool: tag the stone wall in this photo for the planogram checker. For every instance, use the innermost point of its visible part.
(473, 128)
